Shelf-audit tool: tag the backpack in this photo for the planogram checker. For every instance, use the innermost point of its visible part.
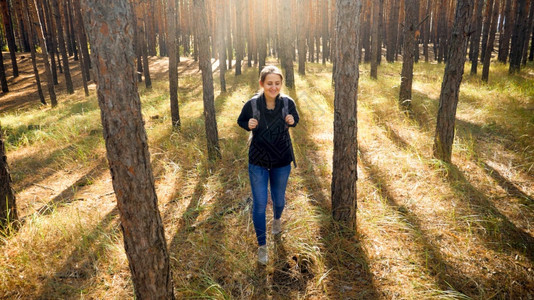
(285, 112)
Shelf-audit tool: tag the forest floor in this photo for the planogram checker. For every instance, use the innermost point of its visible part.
(426, 230)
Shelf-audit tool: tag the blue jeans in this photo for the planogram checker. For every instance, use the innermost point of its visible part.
(259, 179)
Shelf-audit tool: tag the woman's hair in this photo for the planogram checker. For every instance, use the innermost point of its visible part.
(270, 70)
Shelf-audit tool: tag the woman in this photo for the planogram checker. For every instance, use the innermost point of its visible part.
(270, 152)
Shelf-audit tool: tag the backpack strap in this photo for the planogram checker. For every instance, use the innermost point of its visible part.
(255, 110)
(285, 112)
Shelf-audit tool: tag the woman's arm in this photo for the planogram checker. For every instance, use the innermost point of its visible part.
(246, 114)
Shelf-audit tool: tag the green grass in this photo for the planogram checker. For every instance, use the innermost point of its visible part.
(425, 229)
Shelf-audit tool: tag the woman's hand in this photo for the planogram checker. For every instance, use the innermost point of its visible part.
(289, 120)
(252, 124)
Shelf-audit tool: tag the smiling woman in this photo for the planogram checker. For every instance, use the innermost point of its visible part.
(268, 115)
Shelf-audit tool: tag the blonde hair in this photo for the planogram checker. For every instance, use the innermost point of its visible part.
(270, 70)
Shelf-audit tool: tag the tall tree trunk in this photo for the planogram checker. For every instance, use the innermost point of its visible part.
(302, 32)
(26, 18)
(443, 31)
(8, 207)
(405, 93)
(528, 33)
(228, 22)
(240, 42)
(37, 29)
(375, 45)
(504, 38)
(450, 87)
(3, 79)
(173, 62)
(261, 36)
(64, 56)
(531, 56)
(366, 30)
(287, 46)
(392, 30)
(325, 32)
(518, 38)
(48, 31)
(23, 28)
(426, 30)
(82, 65)
(475, 42)
(110, 31)
(10, 36)
(491, 39)
(344, 169)
(83, 38)
(488, 13)
(207, 79)
(71, 38)
(221, 44)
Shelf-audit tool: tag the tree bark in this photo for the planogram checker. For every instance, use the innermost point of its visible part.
(240, 42)
(261, 36)
(518, 37)
(64, 56)
(405, 92)
(221, 43)
(375, 45)
(302, 33)
(488, 13)
(287, 46)
(110, 31)
(8, 207)
(450, 87)
(491, 39)
(37, 28)
(3, 79)
(207, 80)
(10, 36)
(172, 44)
(475, 42)
(344, 170)
(23, 28)
(504, 38)
(392, 31)
(83, 38)
(26, 21)
(528, 33)
(325, 32)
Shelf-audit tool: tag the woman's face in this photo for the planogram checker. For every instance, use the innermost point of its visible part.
(272, 85)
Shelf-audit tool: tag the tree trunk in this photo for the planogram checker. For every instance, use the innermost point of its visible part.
(83, 38)
(3, 79)
(26, 21)
(23, 28)
(475, 42)
(207, 79)
(528, 33)
(488, 13)
(302, 32)
(8, 210)
(375, 45)
(392, 31)
(10, 36)
(366, 30)
(491, 39)
(261, 36)
(37, 28)
(71, 38)
(82, 65)
(228, 22)
(110, 30)
(518, 38)
(442, 31)
(221, 43)
(240, 42)
(287, 47)
(450, 87)
(405, 93)
(64, 57)
(173, 62)
(325, 32)
(531, 56)
(46, 26)
(426, 30)
(344, 170)
(504, 38)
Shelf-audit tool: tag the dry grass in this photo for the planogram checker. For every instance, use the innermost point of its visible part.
(425, 229)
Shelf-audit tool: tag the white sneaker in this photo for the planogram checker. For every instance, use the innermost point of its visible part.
(262, 255)
(277, 226)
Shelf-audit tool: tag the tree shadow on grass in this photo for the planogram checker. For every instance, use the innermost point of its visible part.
(350, 276)
(501, 234)
(74, 277)
(67, 195)
(446, 275)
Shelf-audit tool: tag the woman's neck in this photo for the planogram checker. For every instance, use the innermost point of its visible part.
(270, 102)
